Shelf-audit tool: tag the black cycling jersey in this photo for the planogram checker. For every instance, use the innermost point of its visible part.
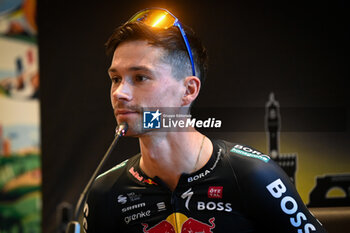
(238, 190)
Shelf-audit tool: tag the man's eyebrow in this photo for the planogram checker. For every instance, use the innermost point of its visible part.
(112, 70)
(133, 68)
(139, 68)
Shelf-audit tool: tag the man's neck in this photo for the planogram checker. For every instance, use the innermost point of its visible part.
(168, 155)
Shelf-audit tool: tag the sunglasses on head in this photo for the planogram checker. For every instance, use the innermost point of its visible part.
(162, 18)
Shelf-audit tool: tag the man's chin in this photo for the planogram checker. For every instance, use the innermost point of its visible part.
(134, 130)
(137, 131)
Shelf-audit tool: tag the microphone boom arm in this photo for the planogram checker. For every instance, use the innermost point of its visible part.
(74, 226)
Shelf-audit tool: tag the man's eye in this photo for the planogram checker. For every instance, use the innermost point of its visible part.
(116, 79)
(140, 78)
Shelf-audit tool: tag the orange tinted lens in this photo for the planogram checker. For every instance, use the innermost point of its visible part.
(154, 18)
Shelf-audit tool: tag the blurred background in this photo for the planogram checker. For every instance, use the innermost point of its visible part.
(293, 49)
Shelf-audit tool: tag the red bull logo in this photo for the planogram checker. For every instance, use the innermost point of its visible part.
(149, 181)
(180, 223)
(141, 178)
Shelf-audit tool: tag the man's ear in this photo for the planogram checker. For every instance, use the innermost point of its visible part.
(192, 86)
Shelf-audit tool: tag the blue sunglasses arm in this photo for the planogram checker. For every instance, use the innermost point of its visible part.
(177, 24)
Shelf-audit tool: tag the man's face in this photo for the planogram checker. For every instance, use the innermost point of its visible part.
(140, 80)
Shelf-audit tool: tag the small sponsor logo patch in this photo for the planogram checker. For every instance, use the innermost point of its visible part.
(133, 207)
(141, 178)
(246, 151)
(139, 215)
(214, 206)
(215, 192)
(149, 181)
(161, 206)
(122, 199)
(134, 196)
(187, 195)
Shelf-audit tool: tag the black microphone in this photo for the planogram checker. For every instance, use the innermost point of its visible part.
(74, 226)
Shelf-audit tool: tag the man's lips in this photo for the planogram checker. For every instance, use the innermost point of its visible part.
(124, 111)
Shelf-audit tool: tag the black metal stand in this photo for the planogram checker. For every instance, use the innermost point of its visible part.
(74, 226)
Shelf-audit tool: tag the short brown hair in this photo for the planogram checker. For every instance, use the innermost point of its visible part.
(171, 41)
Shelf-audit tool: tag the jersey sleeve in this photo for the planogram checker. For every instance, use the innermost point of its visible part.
(269, 196)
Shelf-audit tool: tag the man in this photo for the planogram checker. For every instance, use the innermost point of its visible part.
(181, 181)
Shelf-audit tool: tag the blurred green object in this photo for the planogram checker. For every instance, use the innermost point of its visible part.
(13, 166)
(20, 206)
(22, 215)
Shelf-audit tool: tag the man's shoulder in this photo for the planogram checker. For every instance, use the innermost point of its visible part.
(110, 177)
(251, 166)
(267, 192)
(247, 162)
(239, 151)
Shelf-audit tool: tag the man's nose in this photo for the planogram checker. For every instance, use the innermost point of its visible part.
(122, 91)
